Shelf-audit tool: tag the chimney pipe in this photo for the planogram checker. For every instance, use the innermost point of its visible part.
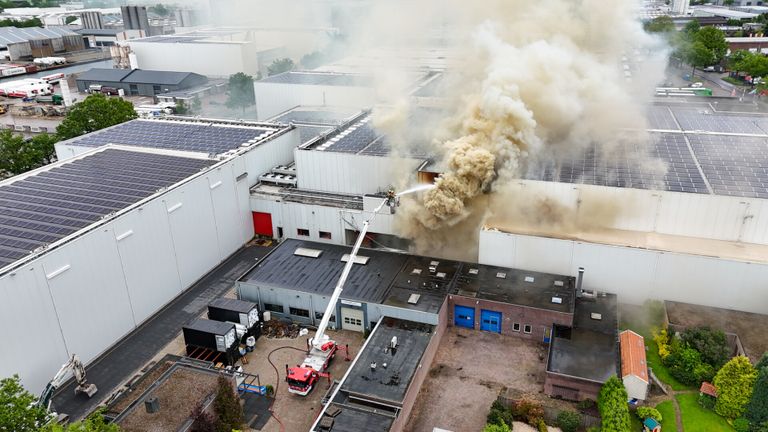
(579, 280)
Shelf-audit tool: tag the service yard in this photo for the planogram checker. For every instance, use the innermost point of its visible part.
(469, 370)
(296, 413)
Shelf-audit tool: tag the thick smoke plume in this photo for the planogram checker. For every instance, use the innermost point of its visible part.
(538, 82)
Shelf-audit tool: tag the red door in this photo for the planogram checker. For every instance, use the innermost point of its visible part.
(262, 224)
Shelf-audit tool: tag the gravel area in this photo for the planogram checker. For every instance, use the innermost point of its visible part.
(144, 382)
(178, 395)
(470, 369)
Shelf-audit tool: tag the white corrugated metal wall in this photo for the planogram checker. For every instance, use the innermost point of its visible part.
(685, 214)
(83, 296)
(350, 173)
(635, 274)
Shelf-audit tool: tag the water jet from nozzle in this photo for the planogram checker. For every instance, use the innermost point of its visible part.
(419, 188)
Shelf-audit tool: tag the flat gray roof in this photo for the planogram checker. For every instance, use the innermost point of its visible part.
(320, 78)
(390, 278)
(389, 384)
(138, 76)
(589, 349)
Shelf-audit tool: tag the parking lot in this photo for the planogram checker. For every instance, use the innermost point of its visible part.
(469, 370)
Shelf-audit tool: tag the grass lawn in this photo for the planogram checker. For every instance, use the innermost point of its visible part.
(667, 411)
(654, 361)
(635, 423)
(696, 418)
(735, 81)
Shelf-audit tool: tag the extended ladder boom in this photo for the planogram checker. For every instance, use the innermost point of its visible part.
(320, 336)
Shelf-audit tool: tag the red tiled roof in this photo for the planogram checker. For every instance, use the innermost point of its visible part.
(708, 389)
(633, 355)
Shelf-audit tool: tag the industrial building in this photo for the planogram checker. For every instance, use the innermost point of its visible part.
(33, 42)
(279, 93)
(101, 37)
(212, 52)
(139, 82)
(126, 220)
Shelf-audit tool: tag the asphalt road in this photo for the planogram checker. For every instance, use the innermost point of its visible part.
(130, 354)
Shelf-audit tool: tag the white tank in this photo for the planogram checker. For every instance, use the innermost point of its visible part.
(267, 315)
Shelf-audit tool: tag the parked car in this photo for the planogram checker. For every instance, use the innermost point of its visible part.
(109, 91)
(94, 88)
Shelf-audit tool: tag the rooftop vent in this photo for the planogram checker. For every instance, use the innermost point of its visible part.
(557, 300)
(362, 260)
(474, 271)
(434, 263)
(596, 316)
(414, 298)
(441, 275)
(306, 252)
(416, 271)
(501, 275)
(529, 279)
(559, 283)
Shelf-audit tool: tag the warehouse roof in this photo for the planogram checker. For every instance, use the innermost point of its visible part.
(320, 78)
(9, 35)
(389, 384)
(47, 205)
(390, 278)
(202, 136)
(589, 350)
(137, 76)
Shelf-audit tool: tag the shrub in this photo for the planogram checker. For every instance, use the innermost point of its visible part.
(648, 412)
(586, 404)
(500, 414)
(612, 402)
(270, 390)
(542, 426)
(661, 338)
(734, 387)
(757, 409)
(569, 421)
(707, 401)
(497, 428)
(203, 421)
(227, 407)
(741, 425)
(711, 344)
(528, 411)
(683, 364)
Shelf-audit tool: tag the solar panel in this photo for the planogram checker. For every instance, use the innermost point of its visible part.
(704, 119)
(48, 206)
(733, 165)
(202, 138)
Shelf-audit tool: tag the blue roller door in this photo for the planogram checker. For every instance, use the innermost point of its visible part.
(464, 316)
(490, 321)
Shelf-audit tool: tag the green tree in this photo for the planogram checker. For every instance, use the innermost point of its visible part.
(279, 66)
(19, 154)
(757, 408)
(648, 412)
(698, 55)
(181, 108)
(497, 428)
(569, 421)
(19, 412)
(227, 406)
(612, 403)
(240, 93)
(94, 423)
(662, 24)
(714, 40)
(734, 387)
(736, 60)
(710, 343)
(95, 112)
(683, 364)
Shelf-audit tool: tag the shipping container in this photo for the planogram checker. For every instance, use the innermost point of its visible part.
(241, 312)
(214, 341)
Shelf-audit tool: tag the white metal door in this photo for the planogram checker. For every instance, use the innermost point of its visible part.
(352, 319)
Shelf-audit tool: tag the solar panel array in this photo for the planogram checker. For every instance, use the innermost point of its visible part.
(46, 207)
(698, 119)
(195, 137)
(733, 165)
(629, 166)
(352, 139)
(659, 117)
